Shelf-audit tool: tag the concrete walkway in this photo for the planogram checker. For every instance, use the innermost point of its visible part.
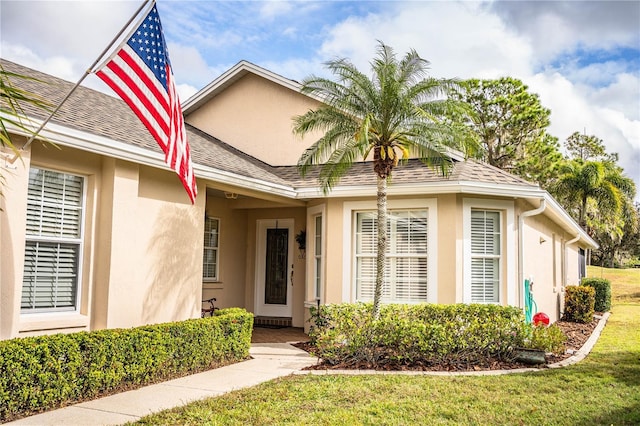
(270, 361)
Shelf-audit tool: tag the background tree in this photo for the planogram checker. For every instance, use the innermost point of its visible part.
(617, 235)
(508, 121)
(586, 147)
(541, 161)
(393, 114)
(602, 182)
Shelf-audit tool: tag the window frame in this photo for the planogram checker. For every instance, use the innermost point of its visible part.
(507, 286)
(394, 257)
(215, 279)
(77, 241)
(430, 205)
(318, 254)
(493, 256)
(313, 293)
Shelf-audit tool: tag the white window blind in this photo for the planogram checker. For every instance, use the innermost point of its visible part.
(53, 241)
(211, 249)
(485, 256)
(406, 269)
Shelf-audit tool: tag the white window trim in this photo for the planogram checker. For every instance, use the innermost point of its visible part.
(348, 242)
(312, 212)
(508, 254)
(217, 277)
(80, 241)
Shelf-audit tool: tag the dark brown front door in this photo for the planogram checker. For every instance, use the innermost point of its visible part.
(275, 287)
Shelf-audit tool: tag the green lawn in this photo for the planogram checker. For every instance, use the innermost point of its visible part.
(602, 389)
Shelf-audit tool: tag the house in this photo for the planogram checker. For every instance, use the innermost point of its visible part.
(96, 232)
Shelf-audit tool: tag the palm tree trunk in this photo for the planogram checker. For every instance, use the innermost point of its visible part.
(382, 245)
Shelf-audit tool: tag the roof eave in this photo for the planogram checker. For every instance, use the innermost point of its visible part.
(72, 138)
(230, 76)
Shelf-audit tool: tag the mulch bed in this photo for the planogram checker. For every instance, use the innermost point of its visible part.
(577, 335)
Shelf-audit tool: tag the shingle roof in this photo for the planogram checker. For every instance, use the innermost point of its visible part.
(414, 171)
(100, 114)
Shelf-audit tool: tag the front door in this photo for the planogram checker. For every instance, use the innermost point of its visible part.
(274, 267)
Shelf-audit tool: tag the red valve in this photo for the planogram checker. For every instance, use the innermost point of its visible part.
(541, 319)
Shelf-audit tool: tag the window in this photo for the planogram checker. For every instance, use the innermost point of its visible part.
(211, 249)
(485, 256)
(317, 256)
(406, 272)
(582, 264)
(53, 244)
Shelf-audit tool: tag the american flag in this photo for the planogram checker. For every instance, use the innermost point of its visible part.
(140, 73)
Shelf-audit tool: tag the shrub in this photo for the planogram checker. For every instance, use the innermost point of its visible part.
(548, 339)
(602, 287)
(45, 372)
(423, 334)
(578, 303)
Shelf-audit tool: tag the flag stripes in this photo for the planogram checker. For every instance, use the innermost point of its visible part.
(140, 73)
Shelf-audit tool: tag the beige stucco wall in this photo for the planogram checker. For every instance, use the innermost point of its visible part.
(12, 224)
(336, 253)
(449, 248)
(548, 260)
(140, 264)
(142, 258)
(542, 261)
(230, 288)
(255, 116)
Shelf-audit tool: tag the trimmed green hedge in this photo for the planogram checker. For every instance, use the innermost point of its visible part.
(45, 372)
(602, 287)
(424, 334)
(578, 303)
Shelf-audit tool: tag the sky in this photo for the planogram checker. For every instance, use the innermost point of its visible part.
(582, 58)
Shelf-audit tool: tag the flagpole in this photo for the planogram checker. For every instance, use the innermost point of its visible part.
(86, 73)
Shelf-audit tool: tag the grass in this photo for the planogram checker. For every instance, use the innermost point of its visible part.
(602, 389)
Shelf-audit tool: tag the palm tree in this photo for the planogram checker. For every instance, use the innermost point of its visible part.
(11, 100)
(394, 114)
(599, 181)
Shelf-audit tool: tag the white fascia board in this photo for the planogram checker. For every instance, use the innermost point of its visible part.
(73, 138)
(222, 176)
(230, 75)
(466, 187)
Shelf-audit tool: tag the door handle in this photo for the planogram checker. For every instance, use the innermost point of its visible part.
(291, 276)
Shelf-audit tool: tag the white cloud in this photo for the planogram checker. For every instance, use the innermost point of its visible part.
(471, 40)
(572, 111)
(541, 43)
(185, 91)
(189, 66)
(65, 26)
(459, 39)
(555, 27)
(295, 69)
(623, 94)
(273, 9)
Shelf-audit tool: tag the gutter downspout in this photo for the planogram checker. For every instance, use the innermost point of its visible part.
(523, 215)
